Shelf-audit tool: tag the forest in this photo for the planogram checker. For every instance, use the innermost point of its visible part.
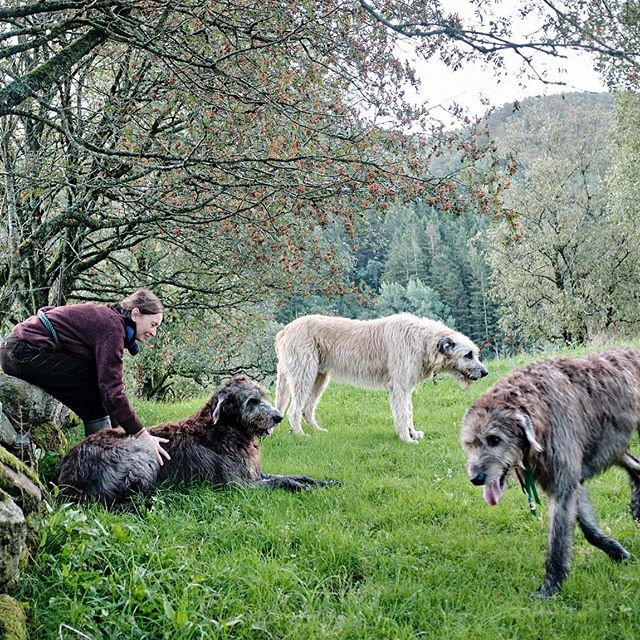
(253, 162)
(517, 285)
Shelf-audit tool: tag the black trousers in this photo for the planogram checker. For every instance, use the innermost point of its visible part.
(71, 380)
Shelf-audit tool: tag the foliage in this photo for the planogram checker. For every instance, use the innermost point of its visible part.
(436, 252)
(606, 28)
(230, 155)
(196, 149)
(416, 298)
(401, 551)
(196, 349)
(570, 271)
(220, 155)
(624, 175)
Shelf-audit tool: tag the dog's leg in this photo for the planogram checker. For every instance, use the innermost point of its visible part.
(562, 519)
(282, 389)
(632, 466)
(402, 410)
(301, 378)
(295, 416)
(593, 534)
(319, 386)
(294, 483)
(634, 481)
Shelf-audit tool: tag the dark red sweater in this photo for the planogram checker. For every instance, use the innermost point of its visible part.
(91, 332)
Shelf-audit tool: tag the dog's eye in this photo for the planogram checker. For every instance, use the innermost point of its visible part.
(469, 356)
(253, 402)
(493, 441)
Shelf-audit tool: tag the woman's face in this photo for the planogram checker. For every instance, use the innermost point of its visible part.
(146, 324)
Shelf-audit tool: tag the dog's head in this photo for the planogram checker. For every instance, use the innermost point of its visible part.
(496, 439)
(461, 357)
(243, 404)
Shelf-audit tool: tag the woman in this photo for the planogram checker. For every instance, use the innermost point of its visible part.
(75, 353)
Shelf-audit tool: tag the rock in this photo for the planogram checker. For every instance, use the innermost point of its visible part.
(13, 535)
(13, 621)
(30, 417)
(27, 405)
(20, 482)
(7, 432)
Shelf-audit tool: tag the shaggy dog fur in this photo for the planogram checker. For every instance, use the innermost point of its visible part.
(566, 419)
(217, 444)
(396, 353)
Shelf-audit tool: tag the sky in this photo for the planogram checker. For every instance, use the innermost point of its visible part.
(442, 86)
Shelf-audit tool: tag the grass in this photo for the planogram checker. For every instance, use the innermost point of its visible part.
(405, 549)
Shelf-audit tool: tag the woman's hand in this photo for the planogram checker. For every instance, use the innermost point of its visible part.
(154, 441)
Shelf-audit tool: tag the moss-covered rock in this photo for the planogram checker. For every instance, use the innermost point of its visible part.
(13, 621)
(48, 436)
(11, 461)
(27, 405)
(20, 482)
(7, 432)
(13, 536)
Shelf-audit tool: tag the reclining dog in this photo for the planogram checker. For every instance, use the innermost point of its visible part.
(217, 444)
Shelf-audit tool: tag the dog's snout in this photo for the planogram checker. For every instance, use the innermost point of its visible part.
(277, 417)
(478, 478)
(484, 373)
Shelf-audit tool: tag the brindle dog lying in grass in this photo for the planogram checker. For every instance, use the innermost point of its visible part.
(217, 444)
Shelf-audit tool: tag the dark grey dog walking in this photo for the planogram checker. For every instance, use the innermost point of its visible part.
(217, 444)
(564, 420)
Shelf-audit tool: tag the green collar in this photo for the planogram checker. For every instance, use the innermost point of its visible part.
(529, 487)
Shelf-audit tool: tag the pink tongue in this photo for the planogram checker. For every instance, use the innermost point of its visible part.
(492, 493)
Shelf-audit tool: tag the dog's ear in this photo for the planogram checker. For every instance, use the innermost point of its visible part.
(217, 405)
(446, 345)
(527, 427)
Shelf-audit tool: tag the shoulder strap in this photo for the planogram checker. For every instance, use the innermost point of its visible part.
(49, 327)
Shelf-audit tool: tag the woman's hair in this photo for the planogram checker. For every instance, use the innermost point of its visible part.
(144, 300)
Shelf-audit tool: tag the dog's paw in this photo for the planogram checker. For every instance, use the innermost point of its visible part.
(330, 483)
(617, 552)
(547, 590)
(417, 435)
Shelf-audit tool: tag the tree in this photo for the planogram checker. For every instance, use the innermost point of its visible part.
(407, 257)
(567, 273)
(222, 136)
(624, 176)
(203, 149)
(416, 298)
(606, 28)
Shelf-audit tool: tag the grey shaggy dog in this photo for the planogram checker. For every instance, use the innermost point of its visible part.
(396, 353)
(217, 444)
(566, 419)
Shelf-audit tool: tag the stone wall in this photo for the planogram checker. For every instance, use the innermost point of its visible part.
(30, 421)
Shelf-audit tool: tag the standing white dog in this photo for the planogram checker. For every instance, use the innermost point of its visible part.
(396, 353)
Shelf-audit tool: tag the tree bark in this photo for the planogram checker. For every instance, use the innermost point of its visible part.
(47, 73)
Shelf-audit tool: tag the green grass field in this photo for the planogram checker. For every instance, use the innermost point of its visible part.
(406, 548)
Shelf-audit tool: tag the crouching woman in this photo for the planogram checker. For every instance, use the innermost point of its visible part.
(75, 353)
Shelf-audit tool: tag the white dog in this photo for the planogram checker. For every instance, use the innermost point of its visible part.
(396, 353)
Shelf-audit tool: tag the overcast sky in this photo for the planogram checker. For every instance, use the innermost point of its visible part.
(441, 85)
